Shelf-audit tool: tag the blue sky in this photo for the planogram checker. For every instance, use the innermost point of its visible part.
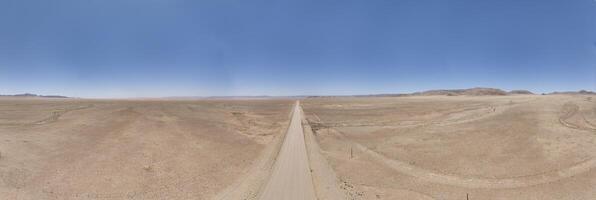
(142, 48)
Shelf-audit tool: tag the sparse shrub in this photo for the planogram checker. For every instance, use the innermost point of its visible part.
(148, 168)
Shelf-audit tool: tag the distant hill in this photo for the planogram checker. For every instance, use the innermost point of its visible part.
(520, 92)
(33, 95)
(477, 91)
(229, 97)
(576, 92)
(469, 92)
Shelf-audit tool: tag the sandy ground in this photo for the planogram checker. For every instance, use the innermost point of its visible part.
(439, 147)
(108, 149)
(432, 147)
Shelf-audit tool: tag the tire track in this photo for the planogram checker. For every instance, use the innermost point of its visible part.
(54, 116)
(474, 182)
(570, 110)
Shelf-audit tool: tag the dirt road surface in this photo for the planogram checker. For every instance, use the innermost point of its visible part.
(291, 178)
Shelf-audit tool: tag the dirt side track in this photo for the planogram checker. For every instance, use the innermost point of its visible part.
(512, 147)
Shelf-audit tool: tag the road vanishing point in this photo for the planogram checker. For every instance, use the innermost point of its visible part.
(291, 177)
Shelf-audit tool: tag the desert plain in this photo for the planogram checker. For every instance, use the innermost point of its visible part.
(464, 147)
(414, 147)
(131, 149)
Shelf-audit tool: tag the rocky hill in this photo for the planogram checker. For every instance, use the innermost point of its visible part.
(520, 92)
(469, 92)
(32, 95)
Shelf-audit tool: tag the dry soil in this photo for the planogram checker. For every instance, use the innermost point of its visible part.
(131, 149)
(439, 147)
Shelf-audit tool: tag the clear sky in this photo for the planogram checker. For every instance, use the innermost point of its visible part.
(142, 48)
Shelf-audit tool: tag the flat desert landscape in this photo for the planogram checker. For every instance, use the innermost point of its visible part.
(513, 146)
(297, 100)
(132, 149)
(464, 147)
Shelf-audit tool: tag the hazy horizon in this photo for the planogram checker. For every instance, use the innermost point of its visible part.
(120, 49)
(268, 96)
